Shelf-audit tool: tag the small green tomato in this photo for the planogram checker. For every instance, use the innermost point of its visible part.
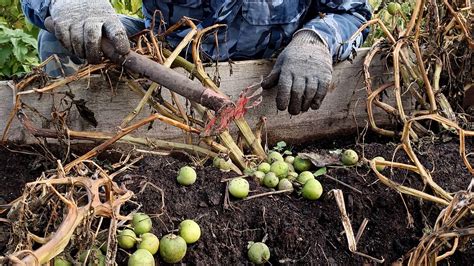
(249, 171)
(258, 175)
(349, 157)
(190, 231)
(285, 184)
(304, 177)
(264, 167)
(141, 257)
(274, 156)
(127, 239)
(239, 188)
(61, 262)
(95, 258)
(172, 248)
(292, 176)
(186, 176)
(225, 166)
(141, 223)
(379, 168)
(290, 159)
(149, 242)
(280, 169)
(216, 161)
(301, 164)
(259, 253)
(312, 190)
(393, 8)
(271, 180)
(291, 168)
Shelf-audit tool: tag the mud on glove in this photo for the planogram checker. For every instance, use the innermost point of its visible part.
(80, 25)
(302, 73)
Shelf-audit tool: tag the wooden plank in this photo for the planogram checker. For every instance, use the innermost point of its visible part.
(342, 111)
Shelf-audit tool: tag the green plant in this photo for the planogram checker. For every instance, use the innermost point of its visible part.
(17, 51)
(17, 40)
(13, 16)
(381, 11)
(128, 7)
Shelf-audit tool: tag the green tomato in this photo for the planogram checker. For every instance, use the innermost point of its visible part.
(127, 239)
(290, 159)
(141, 223)
(190, 231)
(274, 156)
(291, 168)
(259, 176)
(216, 161)
(312, 190)
(280, 169)
(249, 171)
(172, 248)
(285, 184)
(186, 176)
(259, 253)
(239, 188)
(61, 262)
(264, 167)
(292, 176)
(349, 157)
(141, 257)
(149, 242)
(270, 180)
(301, 164)
(95, 258)
(225, 166)
(379, 168)
(304, 177)
(393, 8)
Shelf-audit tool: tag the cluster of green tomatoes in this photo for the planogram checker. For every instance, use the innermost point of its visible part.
(172, 248)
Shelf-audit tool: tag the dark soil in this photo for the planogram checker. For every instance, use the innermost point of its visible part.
(297, 231)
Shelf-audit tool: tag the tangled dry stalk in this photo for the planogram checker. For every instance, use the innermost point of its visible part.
(85, 193)
(431, 60)
(206, 132)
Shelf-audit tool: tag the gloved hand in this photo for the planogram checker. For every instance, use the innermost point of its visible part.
(302, 73)
(80, 25)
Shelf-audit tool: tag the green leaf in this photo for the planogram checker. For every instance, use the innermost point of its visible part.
(5, 53)
(19, 51)
(15, 67)
(5, 2)
(281, 144)
(320, 171)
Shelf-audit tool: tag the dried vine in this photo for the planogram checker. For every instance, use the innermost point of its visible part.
(431, 60)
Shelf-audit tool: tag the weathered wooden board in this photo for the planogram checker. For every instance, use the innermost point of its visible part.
(342, 111)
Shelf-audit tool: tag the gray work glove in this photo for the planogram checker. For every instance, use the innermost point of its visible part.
(302, 73)
(80, 25)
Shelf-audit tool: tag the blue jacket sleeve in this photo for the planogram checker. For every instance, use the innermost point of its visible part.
(337, 22)
(36, 11)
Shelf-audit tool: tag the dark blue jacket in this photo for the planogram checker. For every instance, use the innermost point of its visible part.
(255, 28)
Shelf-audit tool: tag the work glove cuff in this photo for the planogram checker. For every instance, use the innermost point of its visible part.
(307, 37)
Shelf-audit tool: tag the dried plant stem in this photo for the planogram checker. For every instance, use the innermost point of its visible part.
(83, 73)
(346, 223)
(155, 86)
